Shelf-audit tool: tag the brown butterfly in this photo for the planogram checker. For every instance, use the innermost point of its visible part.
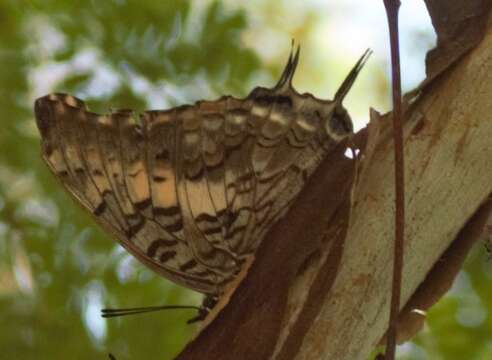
(192, 191)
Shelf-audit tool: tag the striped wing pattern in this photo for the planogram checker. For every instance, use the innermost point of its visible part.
(192, 191)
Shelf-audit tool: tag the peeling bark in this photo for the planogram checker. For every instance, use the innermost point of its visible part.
(448, 155)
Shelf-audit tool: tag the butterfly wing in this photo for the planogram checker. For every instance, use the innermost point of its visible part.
(192, 191)
(121, 174)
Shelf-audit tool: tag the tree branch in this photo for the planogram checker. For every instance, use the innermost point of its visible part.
(319, 287)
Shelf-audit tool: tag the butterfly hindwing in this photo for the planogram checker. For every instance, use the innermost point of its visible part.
(192, 191)
(188, 191)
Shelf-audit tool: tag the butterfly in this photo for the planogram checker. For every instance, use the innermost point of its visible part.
(192, 191)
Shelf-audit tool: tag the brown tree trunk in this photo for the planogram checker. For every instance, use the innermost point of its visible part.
(321, 283)
(448, 153)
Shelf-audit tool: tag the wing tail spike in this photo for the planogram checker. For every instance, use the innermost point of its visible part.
(285, 81)
(295, 62)
(350, 79)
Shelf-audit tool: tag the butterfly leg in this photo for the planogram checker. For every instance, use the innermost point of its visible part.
(208, 304)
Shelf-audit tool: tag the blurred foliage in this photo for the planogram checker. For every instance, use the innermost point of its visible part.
(460, 325)
(57, 269)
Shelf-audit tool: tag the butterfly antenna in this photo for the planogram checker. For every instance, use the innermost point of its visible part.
(349, 80)
(109, 313)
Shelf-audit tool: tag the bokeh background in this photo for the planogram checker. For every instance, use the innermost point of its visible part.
(57, 268)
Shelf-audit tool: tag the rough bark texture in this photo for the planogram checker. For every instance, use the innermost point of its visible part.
(320, 285)
(449, 166)
(459, 26)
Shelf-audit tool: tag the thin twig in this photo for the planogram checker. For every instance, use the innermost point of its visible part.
(392, 7)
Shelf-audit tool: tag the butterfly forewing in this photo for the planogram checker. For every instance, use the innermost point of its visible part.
(192, 191)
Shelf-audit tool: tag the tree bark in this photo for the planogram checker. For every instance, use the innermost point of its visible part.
(321, 282)
(448, 152)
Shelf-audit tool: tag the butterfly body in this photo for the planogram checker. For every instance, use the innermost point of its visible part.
(192, 191)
